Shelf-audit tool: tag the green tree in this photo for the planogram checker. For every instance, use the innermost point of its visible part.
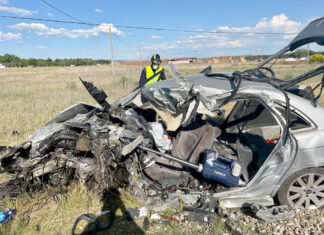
(33, 62)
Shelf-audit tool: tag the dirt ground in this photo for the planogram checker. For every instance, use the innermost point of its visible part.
(29, 97)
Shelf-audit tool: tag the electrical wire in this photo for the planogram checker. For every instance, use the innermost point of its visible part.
(80, 21)
(61, 11)
(148, 28)
(118, 38)
(48, 20)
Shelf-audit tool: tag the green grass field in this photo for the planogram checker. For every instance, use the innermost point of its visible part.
(29, 97)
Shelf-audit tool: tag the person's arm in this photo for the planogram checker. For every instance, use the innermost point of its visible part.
(143, 77)
(162, 76)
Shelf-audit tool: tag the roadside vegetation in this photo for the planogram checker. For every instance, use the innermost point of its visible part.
(317, 58)
(29, 97)
(10, 60)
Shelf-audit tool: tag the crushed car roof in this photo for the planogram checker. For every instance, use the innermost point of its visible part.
(208, 84)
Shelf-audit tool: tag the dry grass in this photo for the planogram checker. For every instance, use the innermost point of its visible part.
(52, 217)
(29, 97)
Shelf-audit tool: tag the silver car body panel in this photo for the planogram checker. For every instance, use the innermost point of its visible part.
(302, 149)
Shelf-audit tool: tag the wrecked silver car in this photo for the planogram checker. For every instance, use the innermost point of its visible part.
(161, 143)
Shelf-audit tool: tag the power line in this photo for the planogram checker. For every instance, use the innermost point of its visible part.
(49, 20)
(118, 38)
(80, 21)
(61, 11)
(149, 28)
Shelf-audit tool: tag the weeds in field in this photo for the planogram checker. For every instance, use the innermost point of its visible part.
(288, 76)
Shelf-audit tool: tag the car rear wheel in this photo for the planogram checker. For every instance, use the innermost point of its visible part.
(303, 189)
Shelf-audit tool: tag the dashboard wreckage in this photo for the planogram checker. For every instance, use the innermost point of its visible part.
(160, 142)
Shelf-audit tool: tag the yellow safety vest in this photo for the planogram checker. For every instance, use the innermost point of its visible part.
(150, 73)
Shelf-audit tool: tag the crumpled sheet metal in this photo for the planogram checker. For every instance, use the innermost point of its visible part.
(125, 100)
(162, 99)
(132, 145)
(45, 132)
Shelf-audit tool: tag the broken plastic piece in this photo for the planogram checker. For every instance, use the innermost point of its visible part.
(271, 142)
(7, 215)
(206, 70)
(155, 216)
(199, 217)
(99, 95)
(273, 214)
(200, 211)
(132, 145)
(142, 212)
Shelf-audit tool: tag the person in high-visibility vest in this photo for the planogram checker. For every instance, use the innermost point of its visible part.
(150, 70)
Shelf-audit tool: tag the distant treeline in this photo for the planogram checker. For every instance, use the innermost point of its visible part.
(10, 60)
(300, 53)
(14, 61)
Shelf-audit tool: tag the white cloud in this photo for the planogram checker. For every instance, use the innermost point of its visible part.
(4, 1)
(279, 23)
(43, 30)
(42, 47)
(98, 10)
(49, 14)
(17, 11)
(156, 37)
(9, 36)
(198, 42)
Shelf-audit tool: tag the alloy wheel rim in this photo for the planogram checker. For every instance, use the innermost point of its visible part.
(307, 191)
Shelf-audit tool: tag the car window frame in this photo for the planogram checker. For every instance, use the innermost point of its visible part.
(299, 113)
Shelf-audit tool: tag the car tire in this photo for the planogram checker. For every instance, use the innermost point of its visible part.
(303, 189)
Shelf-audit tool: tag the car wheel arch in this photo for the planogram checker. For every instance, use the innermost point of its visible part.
(282, 192)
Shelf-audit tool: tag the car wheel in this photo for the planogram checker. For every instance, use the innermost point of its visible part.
(303, 189)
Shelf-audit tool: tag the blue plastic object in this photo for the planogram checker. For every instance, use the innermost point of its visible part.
(219, 168)
(7, 215)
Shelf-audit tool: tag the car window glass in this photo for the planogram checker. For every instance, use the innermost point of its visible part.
(296, 121)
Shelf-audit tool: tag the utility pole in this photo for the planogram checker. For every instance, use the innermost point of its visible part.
(308, 57)
(261, 54)
(111, 54)
(140, 55)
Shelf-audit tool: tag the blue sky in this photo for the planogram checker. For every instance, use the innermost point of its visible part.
(32, 39)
